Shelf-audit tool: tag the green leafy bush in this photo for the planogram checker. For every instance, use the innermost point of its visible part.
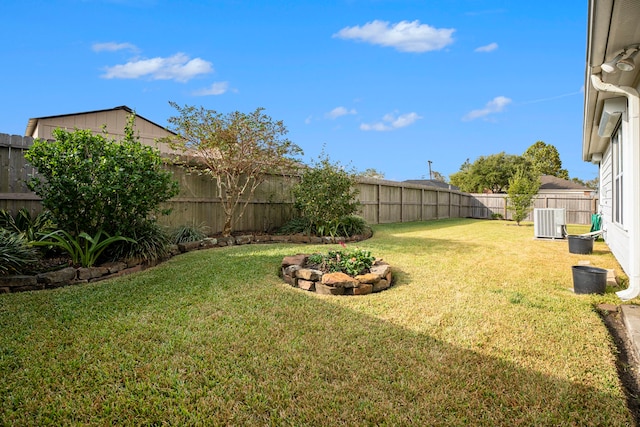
(352, 225)
(346, 226)
(189, 233)
(26, 225)
(295, 226)
(325, 194)
(151, 243)
(15, 252)
(84, 250)
(91, 183)
(351, 262)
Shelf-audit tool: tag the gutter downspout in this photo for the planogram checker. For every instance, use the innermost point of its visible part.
(633, 119)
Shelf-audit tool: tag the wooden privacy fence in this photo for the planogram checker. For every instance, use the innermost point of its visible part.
(578, 206)
(197, 204)
(273, 203)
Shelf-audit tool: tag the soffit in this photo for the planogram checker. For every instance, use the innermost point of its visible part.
(613, 25)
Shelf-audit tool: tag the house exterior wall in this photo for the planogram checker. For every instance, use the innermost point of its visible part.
(114, 120)
(617, 238)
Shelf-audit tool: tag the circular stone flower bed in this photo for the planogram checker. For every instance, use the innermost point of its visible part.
(298, 272)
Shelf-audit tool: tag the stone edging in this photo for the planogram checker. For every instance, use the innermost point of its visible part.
(294, 272)
(73, 276)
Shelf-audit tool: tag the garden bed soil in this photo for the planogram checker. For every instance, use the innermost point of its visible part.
(627, 362)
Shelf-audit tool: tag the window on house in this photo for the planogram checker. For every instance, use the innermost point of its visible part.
(618, 181)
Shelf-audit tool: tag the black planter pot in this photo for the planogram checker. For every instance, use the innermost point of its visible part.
(589, 280)
(580, 244)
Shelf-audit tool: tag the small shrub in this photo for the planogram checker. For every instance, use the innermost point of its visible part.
(15, 253)
(189, 233)
(496, 216)
(295, 226)
(522, 190)
(352, 225)
(26, 225)
(325, 194)
(151, 244)
(84, 249)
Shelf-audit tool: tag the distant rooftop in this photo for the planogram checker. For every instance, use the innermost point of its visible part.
(549, 182)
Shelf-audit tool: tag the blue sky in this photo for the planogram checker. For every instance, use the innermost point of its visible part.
(383, 84)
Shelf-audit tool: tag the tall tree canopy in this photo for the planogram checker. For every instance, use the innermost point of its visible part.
(488, 173)
(545, 160)
(238, 149)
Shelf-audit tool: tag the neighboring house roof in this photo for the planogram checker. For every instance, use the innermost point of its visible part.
(112, 120)
(433, 183)
(549, 182)
(33, 122)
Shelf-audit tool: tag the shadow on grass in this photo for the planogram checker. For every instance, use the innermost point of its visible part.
(212, 339)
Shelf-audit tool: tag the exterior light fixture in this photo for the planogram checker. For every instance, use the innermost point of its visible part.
(624, 61)
(627, 64)
(610, 66)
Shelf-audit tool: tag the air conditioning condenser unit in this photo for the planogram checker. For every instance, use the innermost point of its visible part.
(549, 223)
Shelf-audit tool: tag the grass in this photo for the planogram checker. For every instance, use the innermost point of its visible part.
(482, 328)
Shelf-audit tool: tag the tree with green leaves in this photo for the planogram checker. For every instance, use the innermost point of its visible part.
(523, 188)
(90, 182)
(237, 149)
(488, 173)
(545, 160)
(372, 173)
(325, 195)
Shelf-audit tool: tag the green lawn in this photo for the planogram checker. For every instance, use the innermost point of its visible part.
(481, 328)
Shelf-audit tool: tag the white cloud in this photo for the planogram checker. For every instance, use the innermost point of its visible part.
(404, 36)
(391, 121)
(488, 48)
(217, 88)
(496, 105)
(113, 47)
(177, 67)
(338, 112)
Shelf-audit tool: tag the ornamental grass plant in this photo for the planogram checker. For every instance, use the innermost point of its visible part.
(481, 328)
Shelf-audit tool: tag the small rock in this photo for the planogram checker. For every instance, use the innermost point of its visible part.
(381, 270)
(298, 259)
(363, 289)
(339, 280)
(307, 285)
(290, 280)
(209, 242)
(323, 289)
(381, 285)
(189, 246)
(244, 240)
(309, 274)
(58, 276)
(291, 270)
(368, 278)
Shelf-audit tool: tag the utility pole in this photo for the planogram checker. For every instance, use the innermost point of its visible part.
(430, 174)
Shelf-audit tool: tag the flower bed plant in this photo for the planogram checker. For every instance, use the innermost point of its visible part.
(352, 262)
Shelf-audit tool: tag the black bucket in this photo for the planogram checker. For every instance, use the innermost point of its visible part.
(580, 244)
(589, 280)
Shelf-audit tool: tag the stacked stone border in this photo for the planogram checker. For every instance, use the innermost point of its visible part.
(295, 273)
(79, 275)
